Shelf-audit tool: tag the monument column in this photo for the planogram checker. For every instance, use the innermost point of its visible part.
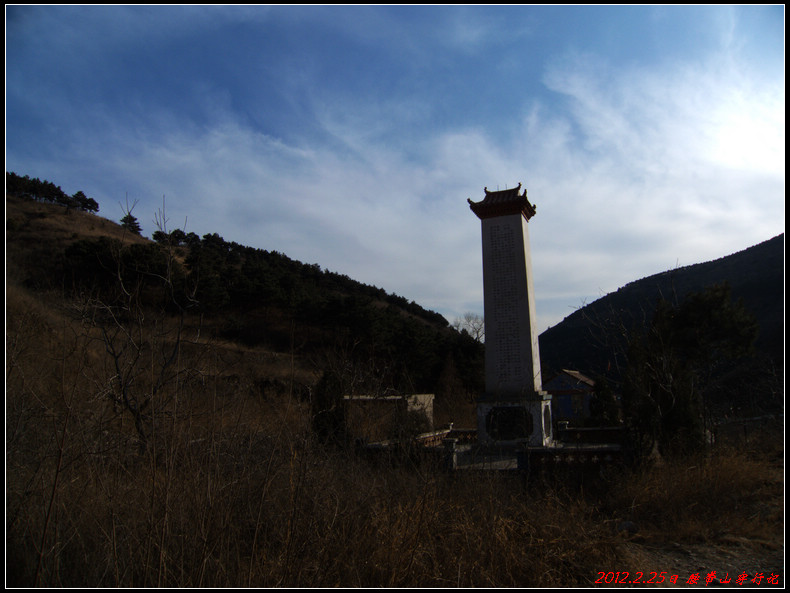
(514, 408)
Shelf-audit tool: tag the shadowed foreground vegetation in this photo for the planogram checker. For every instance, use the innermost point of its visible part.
(234, 489)
(242, 505)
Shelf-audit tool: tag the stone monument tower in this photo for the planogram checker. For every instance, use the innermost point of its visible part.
(514, 409)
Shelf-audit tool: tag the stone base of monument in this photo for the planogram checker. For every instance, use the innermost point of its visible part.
(535, 461)
(517, 435)
(514, 423)
(547, 460)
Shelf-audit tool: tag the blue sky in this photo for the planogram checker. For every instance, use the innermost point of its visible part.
(351, 137)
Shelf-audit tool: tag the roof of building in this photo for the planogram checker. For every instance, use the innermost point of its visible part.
(503, 203)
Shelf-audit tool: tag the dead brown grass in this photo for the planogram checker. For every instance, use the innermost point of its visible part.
(38, 220)
(235, 491)
(704, 498)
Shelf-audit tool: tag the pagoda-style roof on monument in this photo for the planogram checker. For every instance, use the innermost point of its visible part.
(503, 203)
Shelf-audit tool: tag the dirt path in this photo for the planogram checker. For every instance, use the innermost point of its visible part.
(729, 560)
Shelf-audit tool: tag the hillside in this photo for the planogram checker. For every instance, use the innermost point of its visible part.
(755, 276)
(50, 248)
(250, 297)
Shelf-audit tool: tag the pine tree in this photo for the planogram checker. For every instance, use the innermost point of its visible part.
(667, 391)
(130, 223)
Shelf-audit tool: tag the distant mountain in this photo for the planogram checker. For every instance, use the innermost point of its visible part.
(755, 275)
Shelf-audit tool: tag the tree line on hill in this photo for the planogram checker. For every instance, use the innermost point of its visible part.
(237, 276)
(266, 298)
(261, 298)
(46, 191)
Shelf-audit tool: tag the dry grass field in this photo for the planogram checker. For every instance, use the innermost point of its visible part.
(233, 489)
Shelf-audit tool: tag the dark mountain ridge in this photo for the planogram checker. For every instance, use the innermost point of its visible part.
(754, 275)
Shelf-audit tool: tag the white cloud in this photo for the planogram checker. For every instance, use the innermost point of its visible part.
(648, 169)
(624, 189)
(632, 169)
